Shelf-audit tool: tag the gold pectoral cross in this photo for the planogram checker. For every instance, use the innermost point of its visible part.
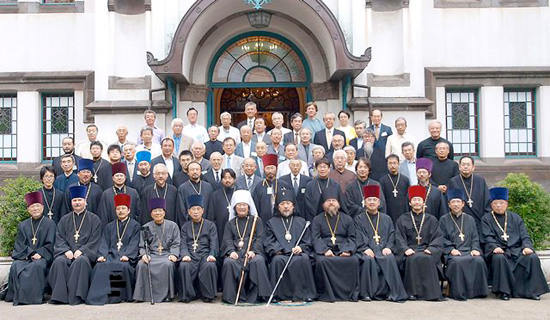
(34, 240)
(76, 236)
(505, 236)
(160, 248)
(195, 246)
(418, 239)
(461, 236)
(376, 238)
(333, 240)
(119, 245)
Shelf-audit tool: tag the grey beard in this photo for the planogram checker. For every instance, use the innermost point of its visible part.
(369, 148)
(332, 211)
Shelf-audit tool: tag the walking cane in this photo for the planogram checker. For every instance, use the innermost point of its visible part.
(246, 258)
(286, 265)
(147, 240)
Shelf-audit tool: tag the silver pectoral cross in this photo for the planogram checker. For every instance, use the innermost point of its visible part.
(470, 203)
(376, 238)
(119, 245)
(461, 236)
(76, 236)
(50, 214)
(505, 236)
(195, 246)
(395, 192)
(418, 239)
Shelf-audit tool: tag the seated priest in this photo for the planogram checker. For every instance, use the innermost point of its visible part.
(282, 234)
(509, 252)
(198, 272)
(336, 265)
(419, 244)
(77, 241)
(159, 247)
(113, 277)
(379, 275)
(466, 270)
(243, 237)
(32, 254)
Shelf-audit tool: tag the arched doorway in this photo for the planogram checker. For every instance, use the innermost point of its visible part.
(262, 67)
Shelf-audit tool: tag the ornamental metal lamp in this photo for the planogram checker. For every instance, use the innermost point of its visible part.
(257, 4)
(259, 19)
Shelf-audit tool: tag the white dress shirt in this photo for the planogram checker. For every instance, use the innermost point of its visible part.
(394, 142)
(196, 131)
(231, 133)
(246, 149)
(169, 165)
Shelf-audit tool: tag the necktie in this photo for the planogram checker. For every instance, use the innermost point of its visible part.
(217, 176)
(131, 170)
(261, 166)
(250, 124)
(329, 138)
(249, 182)
(296, 138)
(228, 163)
(306, 148)
(295, 185)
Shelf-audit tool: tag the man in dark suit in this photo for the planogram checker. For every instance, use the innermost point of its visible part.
(375, 155)
(298, 182)
(305, 147)
(167, 158)
(357, 143)
(68, 148)
(246, 148)
(249, 180)
(214, 174)
(260, 134)
(293, 136)
(213, 144)
(250, 111)
(324, 137)
(381, 131)
(129, 153)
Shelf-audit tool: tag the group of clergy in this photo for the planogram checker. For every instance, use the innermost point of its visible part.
(334, 256)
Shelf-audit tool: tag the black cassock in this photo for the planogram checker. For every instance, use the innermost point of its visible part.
(481, 200)
(107, 209)
(180, 178)
(92, 199)
(379, 276)
(512, 272)
(27, 278)
(314, 189)
(467, 275)
(435, 202)
(198, 274)
(54, 200)
(104, 173)
(264, 197)
(354, 197)
(168, 192)
(113, 280)
(443, 171)
(190, 188)
(220, 201)
(298, 282)
(337, 278)
(256, 285)
(140, 183)
(70, 279)
(421, 270)
(397, 203)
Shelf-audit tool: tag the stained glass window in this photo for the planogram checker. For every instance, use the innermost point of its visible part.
(462, 122)
(8, 127)
(519, 123)
(57, 123)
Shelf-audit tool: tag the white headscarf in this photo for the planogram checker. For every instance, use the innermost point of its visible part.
(242, 196)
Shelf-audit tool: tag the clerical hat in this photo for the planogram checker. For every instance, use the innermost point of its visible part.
(499, 193)
(143, 156)
(455, 194)
(157, 203)
(123, 199)
(424, 163)
(85, 164)
(330, 193)
(119, 167)
(78, 191)
(33, 197)
(417, 191)
(270, 160)
(371, 191)
(284, 194)
(195, 200)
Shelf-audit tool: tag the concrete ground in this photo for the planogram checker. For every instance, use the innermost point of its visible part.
(489, 308)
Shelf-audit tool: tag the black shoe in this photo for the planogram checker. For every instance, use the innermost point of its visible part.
(367, 299)
(275, 300)
(505, 296)
(537, 298)
(308, 300)
(413, 298)
(207, 300)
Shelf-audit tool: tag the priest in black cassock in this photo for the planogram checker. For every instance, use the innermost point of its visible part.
(195, 185)
(93, 192)
(515, 267)
(435, 200)
(354, 190)
(102, 168)
(243, 224)
(379, 275)
(198, 272)
(163, 240)
(466, 270)
(106, 211)
(76, 243)
(160, 189)
(394, 187)
(144, 176)
(314, 189)
(53, 199)
(265, 193)
(220, 202)
(478, 201)
(113, 276)
(336, 265)
(32, 254)
(444, 168)
(419, 245)
(282, 234)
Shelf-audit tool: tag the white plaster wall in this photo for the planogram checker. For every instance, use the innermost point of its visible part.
(108, 123)
(543, 120)
(28, 127)
(491, 122)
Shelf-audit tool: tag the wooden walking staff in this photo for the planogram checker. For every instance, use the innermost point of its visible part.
(250, 239)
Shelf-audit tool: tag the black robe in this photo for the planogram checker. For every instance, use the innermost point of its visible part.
(354, 197)
(395, 206)
(314, 189)
(481, 200)
(190, 188)
(62, 182)
(512, 272)
(113, 280)
(337, 278)
(107, 209)
(180, 178)
(379, 276)
(140, 183)
(27, 278)
(92, 200)
(265, 200)
(444, 171)
(467, 275)
(256, 285)
(421, 270)
(104, 172)
(298, 282)
(435, 202)
(58, 207)
(426, 148)
(56, 163)
(70, 279)
(154, 191)
(219, 210)
(198, 277)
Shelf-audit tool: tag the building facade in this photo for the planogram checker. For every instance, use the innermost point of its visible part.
(481, 67)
